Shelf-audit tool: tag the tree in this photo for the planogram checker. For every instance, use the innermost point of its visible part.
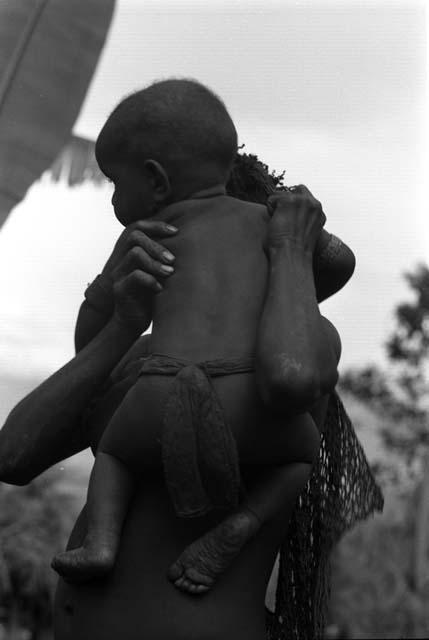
(34, 522)
(48, 53)
(402, 392)
(402, 395)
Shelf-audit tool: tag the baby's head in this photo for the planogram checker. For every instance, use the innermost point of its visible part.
(162, 144)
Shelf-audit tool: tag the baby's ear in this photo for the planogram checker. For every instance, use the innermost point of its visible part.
(159, 180)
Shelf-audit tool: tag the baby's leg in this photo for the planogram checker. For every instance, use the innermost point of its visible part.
(109, 493)
(272, 495)
(130, 443)
(200, 565)
(283, 451)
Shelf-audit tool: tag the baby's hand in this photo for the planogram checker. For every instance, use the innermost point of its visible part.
(296, 215)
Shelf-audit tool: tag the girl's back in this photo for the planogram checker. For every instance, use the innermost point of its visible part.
(210, 307)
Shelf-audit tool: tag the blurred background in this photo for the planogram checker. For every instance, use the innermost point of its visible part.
(334, 93)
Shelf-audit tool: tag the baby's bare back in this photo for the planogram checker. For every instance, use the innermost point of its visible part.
(210, 307)
(210, 310)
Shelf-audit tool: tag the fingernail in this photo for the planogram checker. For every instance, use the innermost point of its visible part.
(171, 228)
(168, 256)
(166, 269)
(159, 286)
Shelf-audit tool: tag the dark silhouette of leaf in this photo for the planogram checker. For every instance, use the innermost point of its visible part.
(48, 53)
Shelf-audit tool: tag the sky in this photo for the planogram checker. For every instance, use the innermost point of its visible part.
(333, 92)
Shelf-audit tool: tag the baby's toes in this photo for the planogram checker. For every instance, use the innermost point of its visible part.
(198, 578)
(187, 585)
(63, 560)
(56, 561)
(200, 588)
(175, 571)
(180, 583)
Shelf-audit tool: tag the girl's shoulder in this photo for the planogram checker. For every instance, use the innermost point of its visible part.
(255, 212)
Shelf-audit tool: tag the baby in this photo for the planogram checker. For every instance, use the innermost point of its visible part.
(193, 404)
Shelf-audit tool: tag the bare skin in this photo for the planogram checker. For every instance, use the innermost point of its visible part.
(205, 560)
(150, 607)
(208, 557)
(90, 562)
(200, 561)
(45, 426)
(102, 319)
(96, 557)
(196, 569)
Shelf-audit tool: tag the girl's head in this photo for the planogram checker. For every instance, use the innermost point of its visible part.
(251, 179)
(333, 263)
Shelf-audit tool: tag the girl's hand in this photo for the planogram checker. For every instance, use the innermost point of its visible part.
(136, 249)
(136, 269)
(296, 215)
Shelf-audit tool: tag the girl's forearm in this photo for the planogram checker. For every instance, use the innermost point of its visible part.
(295, 360)
(90, 322)
(95, 311)
(45, 426)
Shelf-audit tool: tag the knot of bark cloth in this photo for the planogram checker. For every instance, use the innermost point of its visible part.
(200, 456)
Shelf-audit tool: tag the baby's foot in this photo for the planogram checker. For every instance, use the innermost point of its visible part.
(198, 567)
(84, 563)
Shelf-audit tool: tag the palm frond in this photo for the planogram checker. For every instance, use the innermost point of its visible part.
(76, 163)
(48, 53)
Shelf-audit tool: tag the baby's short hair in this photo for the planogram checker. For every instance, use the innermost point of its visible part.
(175, 121)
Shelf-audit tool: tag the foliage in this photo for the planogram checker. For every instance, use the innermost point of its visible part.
(381, 585)
(48, 54)
(251, 179)
(34, 521)
(373, 595)
(401, 394)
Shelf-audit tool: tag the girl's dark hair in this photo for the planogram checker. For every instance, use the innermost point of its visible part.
(251, 179)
